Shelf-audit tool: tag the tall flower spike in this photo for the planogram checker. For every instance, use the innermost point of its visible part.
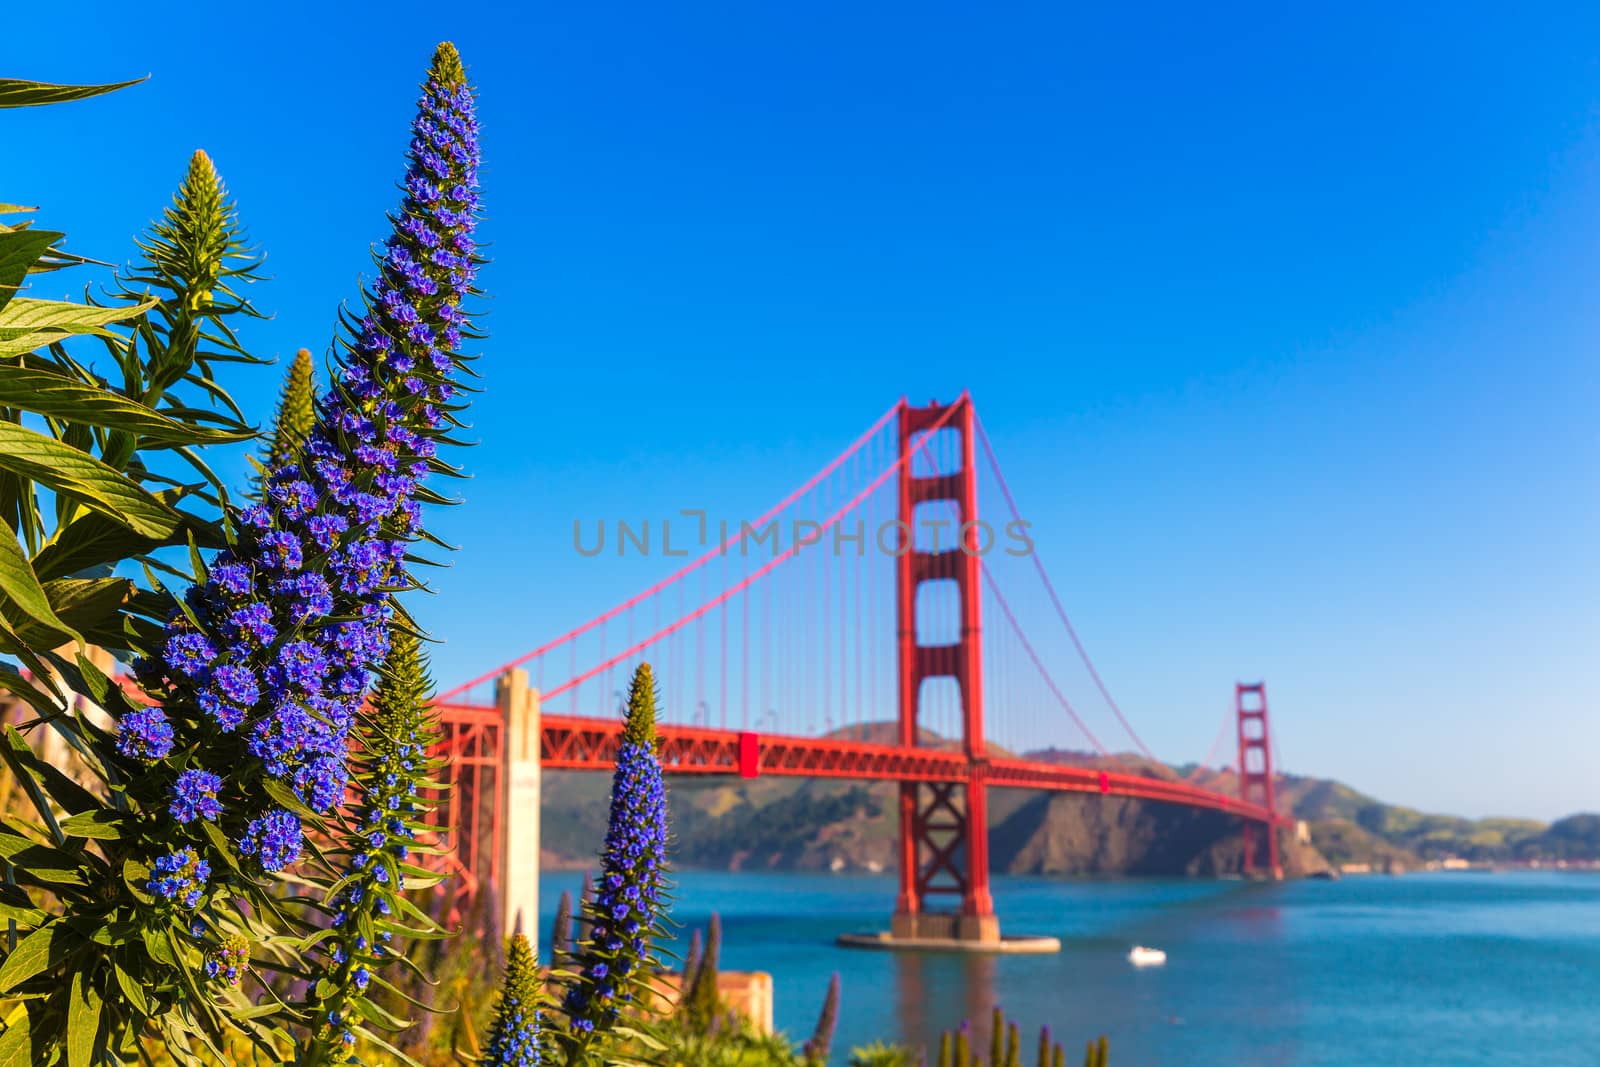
(197, 254)
(513, 1039)
(627, 905)
(297, 412)
(381, 831)
(691, 966)
(816, 1050)
(703, 1001)
(561, 927)
(270, 655)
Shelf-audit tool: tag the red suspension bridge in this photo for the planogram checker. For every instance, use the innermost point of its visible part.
(871, 625)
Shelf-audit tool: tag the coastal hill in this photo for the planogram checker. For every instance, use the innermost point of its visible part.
(819, 824)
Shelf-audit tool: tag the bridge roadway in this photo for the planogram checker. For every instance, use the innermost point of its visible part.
(571, 742)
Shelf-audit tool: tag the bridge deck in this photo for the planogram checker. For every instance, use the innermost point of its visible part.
(569, 742)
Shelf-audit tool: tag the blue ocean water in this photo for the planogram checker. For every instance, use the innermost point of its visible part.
(1428, 969)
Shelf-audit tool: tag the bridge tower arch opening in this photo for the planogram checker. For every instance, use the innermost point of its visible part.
(944, 834)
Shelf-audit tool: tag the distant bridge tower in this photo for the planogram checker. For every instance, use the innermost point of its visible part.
(1255, 775)
(944, 831)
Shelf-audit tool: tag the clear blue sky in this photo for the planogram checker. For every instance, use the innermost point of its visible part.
(1284, 319)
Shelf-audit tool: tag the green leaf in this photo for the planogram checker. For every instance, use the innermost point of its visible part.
(95, 683)
(63, 790)
(156, 944)
(130, 989)
(27, 324)
(16, 1044)
(19, 251)
(24, 601)
(92, 540)
(41, 702)
(83, 1020)
(284, 797)
(91, 606)
(11, 844)
(219, 841)
(102, 825)
(20, 758)
(135, 876)
(78, 475)
(44, 392)
(24, 916)
(45, 947)
(16, 92)
(41, 863)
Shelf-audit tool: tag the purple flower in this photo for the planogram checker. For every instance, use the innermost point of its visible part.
(226, 715)
(274, 839)
(303, 664)
(190, 653)
(325, 529)
(309, 596)
(232, 579)
(194, 796)
(144, 733)
(320, 783)
(281, 639)
(180, 876)
(238, 684)
(295, 497)
(628, 897)
(253, 621)
(281, 549)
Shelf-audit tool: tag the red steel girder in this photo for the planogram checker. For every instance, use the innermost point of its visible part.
(571, 742)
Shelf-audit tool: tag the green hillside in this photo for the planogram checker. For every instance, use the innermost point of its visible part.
(727, 823)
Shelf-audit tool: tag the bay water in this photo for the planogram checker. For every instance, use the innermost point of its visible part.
(1458, 968)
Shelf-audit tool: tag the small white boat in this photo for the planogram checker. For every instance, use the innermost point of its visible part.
(1146, 957)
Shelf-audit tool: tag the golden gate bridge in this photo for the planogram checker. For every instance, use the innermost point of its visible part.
(873, 624)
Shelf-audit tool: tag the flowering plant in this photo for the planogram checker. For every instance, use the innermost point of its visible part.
(157, 893)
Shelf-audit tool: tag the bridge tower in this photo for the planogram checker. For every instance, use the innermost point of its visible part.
(944, 832)
(1255, 775)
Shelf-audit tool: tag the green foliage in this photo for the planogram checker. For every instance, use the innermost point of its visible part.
(731, 1042)
(879, 1054)
(96, 472)
(1005, 1047)
(1572, 838)
(585, 902)
(15, 92)
(391, 770)
(106, 410)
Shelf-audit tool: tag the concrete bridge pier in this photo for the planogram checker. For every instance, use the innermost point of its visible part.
(519, 801)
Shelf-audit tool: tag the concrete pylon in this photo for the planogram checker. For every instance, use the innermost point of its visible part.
(518, 862)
